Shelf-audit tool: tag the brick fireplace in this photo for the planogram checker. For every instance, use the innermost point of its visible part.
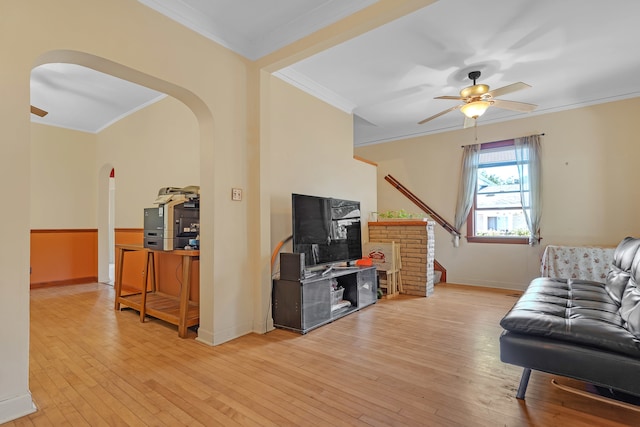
(417, 250)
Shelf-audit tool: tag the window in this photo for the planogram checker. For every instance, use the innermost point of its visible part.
(496, 214)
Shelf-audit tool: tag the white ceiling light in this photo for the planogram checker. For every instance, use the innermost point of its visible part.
(475, 109)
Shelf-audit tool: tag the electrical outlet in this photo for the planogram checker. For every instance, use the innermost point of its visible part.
(236, 194)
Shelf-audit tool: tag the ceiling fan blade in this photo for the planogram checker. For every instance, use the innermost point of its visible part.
(441, 113)
(459, 98)
(38, 112)
(468, 122)
(515, 106)
(507, 89)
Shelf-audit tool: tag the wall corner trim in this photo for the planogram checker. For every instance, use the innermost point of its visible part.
(16, 407)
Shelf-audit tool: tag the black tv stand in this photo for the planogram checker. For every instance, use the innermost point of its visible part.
(305, 303)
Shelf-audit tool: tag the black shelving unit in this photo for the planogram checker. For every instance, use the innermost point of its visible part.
(304, 304)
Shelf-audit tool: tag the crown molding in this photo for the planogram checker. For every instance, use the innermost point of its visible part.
(309, 86)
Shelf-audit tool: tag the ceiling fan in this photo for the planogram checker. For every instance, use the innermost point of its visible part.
(478, 98)
(38, 112)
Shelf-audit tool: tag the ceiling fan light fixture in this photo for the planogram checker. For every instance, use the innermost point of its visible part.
(478, 98)
(474, 91)
(475, 109)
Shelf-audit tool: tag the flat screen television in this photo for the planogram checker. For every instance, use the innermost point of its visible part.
(326, 230)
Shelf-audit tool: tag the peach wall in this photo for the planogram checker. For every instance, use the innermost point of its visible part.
(135, 261)
(169, 275)
(61, 257)
(168, 267)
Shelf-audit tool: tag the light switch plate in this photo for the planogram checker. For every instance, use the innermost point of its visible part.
(236, 194)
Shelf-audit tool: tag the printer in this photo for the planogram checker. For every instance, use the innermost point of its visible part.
(175, 222)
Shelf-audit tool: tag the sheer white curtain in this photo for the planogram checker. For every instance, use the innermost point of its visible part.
(466, 187)
(530, 173)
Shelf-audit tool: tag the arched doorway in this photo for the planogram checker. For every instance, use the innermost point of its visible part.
(106, 215)
(204, 120)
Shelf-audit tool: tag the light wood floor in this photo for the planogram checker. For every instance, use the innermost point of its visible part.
(402, 362)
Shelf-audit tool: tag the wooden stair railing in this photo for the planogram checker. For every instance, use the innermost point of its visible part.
(437, 218)
(443, 271)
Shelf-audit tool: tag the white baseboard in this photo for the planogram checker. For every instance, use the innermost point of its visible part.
(16, 407)
(204, 336)
(489, 284)
(220, 337)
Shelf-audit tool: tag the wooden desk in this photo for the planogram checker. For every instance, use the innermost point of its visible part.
(175, 310)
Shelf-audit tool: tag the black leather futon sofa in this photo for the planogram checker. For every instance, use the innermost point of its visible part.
(580, 329)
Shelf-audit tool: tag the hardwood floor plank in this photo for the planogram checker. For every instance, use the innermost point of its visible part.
(406, 361)
(248, 388)
(313, 401)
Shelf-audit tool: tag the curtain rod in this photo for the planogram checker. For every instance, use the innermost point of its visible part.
(504, 140)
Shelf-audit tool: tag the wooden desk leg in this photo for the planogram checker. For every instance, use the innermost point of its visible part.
(145, 275)
(152, 270)
(118, 284)
(184, 295)
(151, 275)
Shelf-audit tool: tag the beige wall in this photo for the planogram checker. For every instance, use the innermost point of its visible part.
(205, 76)
(312, 153)
(155, 147)
(229, 98)
(589, 158)
(63, 178)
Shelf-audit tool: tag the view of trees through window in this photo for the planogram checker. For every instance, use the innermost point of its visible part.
(489, 176)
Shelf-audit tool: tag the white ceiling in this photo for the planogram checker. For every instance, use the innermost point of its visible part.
(572, 52)
(254, 28)
(83, 99)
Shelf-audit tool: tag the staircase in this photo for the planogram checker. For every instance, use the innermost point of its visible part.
(440, 273)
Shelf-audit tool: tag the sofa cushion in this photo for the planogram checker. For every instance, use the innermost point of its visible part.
(618, 275)
(630, 305)
(571, 310)
(630, 309)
